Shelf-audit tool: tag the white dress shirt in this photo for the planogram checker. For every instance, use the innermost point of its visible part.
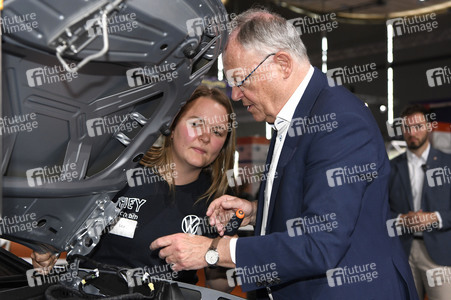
(281, 124)
(416, 175)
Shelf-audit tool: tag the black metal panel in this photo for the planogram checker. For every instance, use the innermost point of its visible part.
(70, 211)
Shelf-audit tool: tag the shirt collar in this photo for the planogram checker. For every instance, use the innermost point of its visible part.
(286, 113)
(424, 157)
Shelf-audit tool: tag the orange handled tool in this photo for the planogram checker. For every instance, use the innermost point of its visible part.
(234, 223)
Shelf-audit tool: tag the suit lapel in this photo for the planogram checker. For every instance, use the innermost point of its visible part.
(433, 159)
(261, 193)
(431, 163)
(291, 142)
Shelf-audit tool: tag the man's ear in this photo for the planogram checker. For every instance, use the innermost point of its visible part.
(285, 63)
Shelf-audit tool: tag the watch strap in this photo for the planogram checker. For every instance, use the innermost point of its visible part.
(214, 243)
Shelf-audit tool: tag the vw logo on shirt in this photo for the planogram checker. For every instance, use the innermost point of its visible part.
(190, 224)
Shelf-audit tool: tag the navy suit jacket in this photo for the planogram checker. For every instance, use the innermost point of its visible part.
(311, 262)
(436, 196)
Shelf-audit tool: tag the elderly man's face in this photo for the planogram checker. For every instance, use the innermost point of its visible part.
(259, 90)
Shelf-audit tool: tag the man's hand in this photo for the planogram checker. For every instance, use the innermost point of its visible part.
(183, 251)
(223, 208)
(419, 221)
(45, 261)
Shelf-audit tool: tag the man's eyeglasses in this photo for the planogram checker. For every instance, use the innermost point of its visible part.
(241, 85)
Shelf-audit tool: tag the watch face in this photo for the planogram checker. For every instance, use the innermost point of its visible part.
(212, 257)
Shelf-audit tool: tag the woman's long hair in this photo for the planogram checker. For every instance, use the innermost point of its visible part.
(159, 158)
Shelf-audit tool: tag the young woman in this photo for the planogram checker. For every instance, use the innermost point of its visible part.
(180, 178)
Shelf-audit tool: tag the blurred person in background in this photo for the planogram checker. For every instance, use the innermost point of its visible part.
(422, 205)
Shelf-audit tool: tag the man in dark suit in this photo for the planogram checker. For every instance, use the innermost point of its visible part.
(320, 221)
(420, 199)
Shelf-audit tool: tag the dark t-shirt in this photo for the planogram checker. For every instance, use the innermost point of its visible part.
(151, 211)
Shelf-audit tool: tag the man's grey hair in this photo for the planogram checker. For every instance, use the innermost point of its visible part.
(267, 32)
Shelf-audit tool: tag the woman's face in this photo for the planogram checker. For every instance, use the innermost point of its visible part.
(200, 134)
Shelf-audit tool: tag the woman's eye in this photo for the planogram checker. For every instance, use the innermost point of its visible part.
(196, 123)
(218, 131)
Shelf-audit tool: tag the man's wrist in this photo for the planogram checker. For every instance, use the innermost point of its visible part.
(225, 259)
(212, 254)
(253, 216)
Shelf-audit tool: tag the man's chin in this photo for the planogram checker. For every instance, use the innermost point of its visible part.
(413, 146)
(258, 117)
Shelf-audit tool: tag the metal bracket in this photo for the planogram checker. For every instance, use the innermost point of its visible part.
(121, 137)
(72, 36)
(139, 118)
(88, 235)
(136, 116)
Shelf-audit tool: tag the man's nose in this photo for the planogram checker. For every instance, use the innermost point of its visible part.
(237, 94)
